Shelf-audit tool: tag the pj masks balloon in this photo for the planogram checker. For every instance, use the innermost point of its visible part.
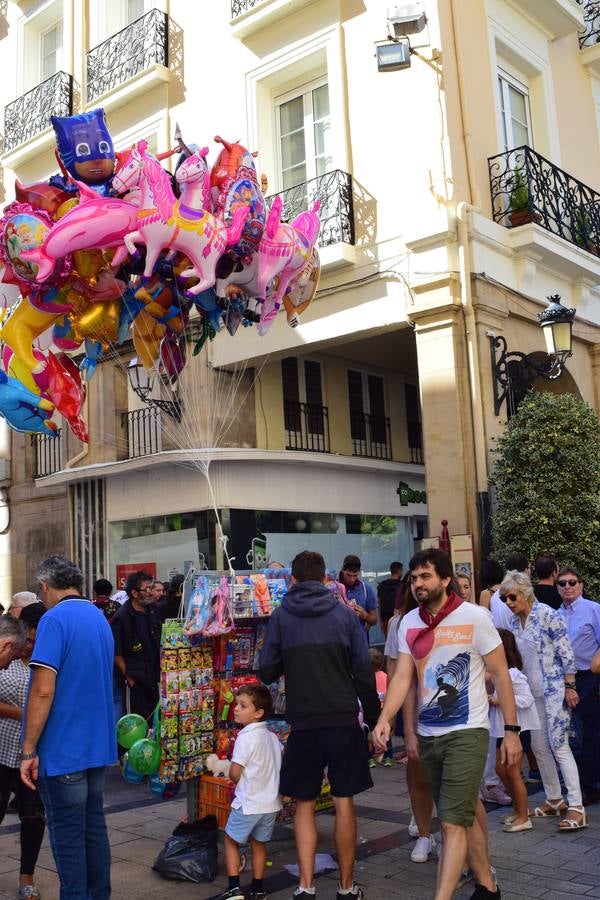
(85, 149)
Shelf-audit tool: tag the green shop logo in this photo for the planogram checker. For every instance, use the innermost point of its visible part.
(408, 495)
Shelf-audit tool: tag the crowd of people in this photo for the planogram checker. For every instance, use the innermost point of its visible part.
(470, 682)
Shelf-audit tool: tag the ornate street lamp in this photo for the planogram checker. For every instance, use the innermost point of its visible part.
(142, 383)
(514, 372)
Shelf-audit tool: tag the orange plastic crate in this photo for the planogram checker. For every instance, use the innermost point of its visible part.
(213, 797)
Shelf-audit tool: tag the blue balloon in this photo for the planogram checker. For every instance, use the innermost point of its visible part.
(86, 149)
(22, 409)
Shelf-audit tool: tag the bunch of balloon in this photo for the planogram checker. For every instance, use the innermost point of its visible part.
(114, 246)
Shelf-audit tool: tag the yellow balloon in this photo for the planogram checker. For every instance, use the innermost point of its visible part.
(24, 326)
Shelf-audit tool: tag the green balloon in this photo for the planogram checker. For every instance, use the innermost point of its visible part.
(144, 757)
(131, 728)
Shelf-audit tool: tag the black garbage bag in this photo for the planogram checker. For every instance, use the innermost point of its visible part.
(190, 854)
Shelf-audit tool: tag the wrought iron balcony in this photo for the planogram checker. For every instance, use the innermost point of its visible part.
(48, 454)
(144, 435)
(29, 114)
(306, 426)
(241, 6)
(370, 435)
(591, 15)
(526, 187)
(132, 50)
(334, 190)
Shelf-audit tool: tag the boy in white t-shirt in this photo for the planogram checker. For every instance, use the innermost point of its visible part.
(255, 767)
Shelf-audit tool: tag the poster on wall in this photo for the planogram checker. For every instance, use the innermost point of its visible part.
(124, 570)
(462, 554)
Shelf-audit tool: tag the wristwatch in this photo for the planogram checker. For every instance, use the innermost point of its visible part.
(25, 756)
(515, 728)
(571, 685)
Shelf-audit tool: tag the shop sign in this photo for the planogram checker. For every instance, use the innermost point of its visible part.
(124, 570)
(409, 495)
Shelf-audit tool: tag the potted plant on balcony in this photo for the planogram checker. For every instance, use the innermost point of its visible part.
(518, 205)
(582, 230)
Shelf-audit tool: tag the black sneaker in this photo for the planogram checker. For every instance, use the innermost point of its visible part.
(482, 893)
(355, 892)
(232, 894)
(299, 893)
(258, 895)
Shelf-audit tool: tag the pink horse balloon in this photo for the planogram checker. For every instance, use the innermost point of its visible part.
(282, 255)
(163, 222)
(96, 221)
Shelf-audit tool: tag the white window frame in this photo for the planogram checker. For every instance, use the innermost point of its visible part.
(58, 23)
(305, 91)
(505, 79)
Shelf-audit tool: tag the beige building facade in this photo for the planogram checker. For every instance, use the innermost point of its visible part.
(369, 423)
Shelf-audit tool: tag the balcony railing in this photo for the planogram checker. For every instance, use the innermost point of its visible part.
(415, 441)
(334, 190)
(48, 453)
(29, 114)
(306, 426)
(144, 435)
(526, 187)
(142, 44)
(591, 15)
(370, 435)
(241, 6)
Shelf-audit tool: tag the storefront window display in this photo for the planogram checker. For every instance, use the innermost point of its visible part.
(166, 544)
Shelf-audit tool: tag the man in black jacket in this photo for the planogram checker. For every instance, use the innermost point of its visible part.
(317, 644)
(136, 630)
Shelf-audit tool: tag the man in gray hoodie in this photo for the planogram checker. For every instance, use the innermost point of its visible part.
(317, 644)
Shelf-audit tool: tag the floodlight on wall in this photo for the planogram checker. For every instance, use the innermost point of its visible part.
(393, 56)
(406, 19)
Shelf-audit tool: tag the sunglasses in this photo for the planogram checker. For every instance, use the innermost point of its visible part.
(511, 597)
(572, 582)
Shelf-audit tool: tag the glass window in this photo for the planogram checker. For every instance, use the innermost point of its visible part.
(134, 10)
(51, 45)
(305, 416)
(304, 125)
(515, 119)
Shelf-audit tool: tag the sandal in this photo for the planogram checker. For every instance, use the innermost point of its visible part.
(524, 826)
(572, 824)
(559, 808)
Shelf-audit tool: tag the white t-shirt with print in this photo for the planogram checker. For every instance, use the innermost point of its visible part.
(450, 668)
(391, 641)
(259, 752)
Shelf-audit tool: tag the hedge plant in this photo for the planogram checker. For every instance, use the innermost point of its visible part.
(547, 484)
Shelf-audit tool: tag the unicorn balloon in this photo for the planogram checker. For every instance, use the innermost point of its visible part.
(163, 222)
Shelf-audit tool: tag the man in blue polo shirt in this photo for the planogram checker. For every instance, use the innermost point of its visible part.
(361, 596)
(69, 732)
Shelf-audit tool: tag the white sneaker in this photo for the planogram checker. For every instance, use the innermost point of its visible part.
(412, 828)
(422, 849)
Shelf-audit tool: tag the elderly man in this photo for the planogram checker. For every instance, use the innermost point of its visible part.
(582, 618)
(12, 640)
(69, 730)
(20, 600)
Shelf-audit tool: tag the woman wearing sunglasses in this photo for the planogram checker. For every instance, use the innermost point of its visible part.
(549, 664)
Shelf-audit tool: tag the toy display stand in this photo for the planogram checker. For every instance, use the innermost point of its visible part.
(197, 699)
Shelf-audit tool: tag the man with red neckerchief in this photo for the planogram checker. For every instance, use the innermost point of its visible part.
(447, 646)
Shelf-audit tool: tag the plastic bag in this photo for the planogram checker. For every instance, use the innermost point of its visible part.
(190, 854)
(200, 608)
(220, 620)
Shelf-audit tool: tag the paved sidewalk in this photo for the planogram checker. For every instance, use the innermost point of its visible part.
(540, 863)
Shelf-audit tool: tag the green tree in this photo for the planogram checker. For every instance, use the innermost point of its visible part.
(547, 482)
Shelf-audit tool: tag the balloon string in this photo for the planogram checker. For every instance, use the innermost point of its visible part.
(223, 538)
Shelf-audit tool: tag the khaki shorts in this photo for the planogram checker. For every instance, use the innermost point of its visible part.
(453, 767)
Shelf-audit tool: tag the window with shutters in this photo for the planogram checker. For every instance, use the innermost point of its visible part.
(369, 425)
(305, 416)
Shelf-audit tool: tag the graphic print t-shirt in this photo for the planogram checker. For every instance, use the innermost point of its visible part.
(450, 668)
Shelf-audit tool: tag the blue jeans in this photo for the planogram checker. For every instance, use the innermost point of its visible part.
(78, 836)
